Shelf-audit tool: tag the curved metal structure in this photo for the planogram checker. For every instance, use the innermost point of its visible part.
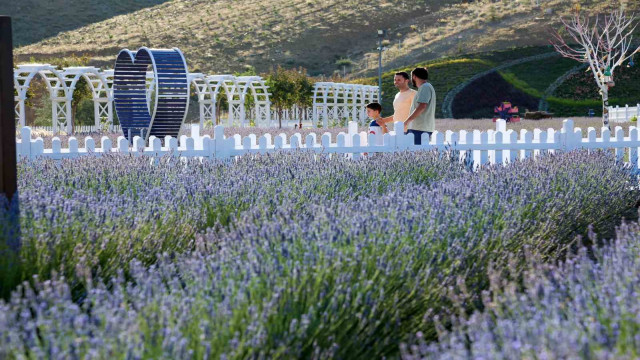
(170, 95)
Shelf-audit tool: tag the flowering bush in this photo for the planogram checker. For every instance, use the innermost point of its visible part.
(302, 257)
(100, 213)
(586, 307)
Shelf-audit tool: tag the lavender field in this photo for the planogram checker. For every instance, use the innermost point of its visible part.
(298, 256)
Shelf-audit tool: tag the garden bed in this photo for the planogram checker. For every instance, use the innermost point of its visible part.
(281, 256)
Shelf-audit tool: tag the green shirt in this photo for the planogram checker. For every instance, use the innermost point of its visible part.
(427, 120)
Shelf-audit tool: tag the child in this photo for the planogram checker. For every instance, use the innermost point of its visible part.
(374, 112)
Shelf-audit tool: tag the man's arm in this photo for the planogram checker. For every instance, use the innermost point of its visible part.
(422, 107)
(385, 120)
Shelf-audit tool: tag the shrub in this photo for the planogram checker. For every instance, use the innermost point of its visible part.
(103, 212)
(327, 258)
(585, 307)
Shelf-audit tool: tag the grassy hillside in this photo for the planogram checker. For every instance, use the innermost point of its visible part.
(36, 20)
(228, 35)
(534, 77)
(445, 74)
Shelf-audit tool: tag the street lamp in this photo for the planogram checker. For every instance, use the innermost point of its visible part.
(381, 34)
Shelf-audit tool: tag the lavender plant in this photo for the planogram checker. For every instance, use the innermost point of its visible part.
(100, 213)
(586, 307)
(321, 263)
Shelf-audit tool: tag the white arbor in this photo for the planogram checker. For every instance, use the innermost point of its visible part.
(337, 101)
(261, 102)
(206, 97)
(229, 85)
(55, 81)
(109, 76)
(62, 83)
(101, 93)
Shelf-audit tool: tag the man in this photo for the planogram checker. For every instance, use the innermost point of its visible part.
(402, 101)
(422, 117)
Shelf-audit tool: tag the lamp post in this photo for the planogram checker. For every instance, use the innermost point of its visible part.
(381, 34)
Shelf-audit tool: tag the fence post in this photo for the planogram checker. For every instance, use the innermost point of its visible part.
(567, 135)
(626, 112)
(633, 150)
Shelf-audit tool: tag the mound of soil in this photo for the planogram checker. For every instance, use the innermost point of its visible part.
(479, 98)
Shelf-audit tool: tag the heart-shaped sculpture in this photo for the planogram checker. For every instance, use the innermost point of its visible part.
(171, 92)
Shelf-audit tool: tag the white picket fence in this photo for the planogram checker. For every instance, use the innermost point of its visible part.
(79, 129)
(623, 114)
(499, 146)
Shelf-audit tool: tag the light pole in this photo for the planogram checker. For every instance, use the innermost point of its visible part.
(381, 34)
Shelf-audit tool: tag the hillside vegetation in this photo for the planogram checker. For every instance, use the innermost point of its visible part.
(228, 35)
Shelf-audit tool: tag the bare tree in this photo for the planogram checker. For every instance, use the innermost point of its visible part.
(603, 43)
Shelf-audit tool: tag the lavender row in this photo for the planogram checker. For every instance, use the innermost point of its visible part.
(324, 277)
(100, 213)
(586, 307)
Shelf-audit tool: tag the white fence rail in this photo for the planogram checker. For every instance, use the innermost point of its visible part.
(500, 146)
(623, 114)
(80, 129)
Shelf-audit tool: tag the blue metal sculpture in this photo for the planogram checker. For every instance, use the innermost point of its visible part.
(171, 92)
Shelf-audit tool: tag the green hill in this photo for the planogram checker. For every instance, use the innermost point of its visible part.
(219, 36)
(36, 20)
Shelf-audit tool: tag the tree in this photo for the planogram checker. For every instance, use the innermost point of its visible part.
(344, 63)
(604, 44)
(289, 87)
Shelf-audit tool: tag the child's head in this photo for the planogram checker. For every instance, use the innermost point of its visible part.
(374, 110)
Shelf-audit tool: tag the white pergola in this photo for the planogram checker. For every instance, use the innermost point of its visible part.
(100, 90)
(62, 83)
(228, 83)
(260, 92)
(108, 76)
(336, 101)
(55, 81)
(206, 97)
(236, 89)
